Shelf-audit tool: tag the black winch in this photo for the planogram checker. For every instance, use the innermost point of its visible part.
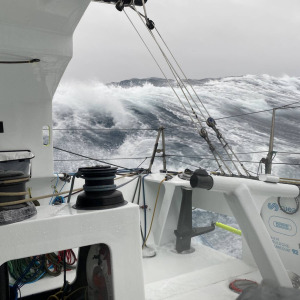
(99, 189)
(14, 182)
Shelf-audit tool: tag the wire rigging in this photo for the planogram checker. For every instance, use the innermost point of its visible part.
(257, 112)
(199, 128)
(90, 158)
(203, 133)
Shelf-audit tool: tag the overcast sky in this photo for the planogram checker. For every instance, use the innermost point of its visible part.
(210, 38)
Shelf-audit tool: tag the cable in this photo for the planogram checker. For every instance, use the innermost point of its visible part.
(182, 71)
(219, 135)
(170, 155)
(145, 240)
(143, 162)
(29, 61)
(136, 187)
(145, 208)
(159, 66)
(71, 188)
(105, 129)
(256, 112)
(189, 164)
(203, 133)
(70, 152)
(119, 186)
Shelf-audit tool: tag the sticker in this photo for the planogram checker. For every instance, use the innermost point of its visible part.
(283, 226)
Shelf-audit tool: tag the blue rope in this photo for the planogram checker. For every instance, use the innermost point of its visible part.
(19, 280)
(62, 187)
(30, 282)
(13, 290)
(54, 189)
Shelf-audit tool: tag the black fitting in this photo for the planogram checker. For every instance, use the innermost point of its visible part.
(34, 60)
(99, 189)
(120, 5)
(203, 132)
(185, 231)
(211, 122)
(150, 24)
(201, 179)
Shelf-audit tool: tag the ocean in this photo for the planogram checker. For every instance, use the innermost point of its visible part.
(118, 122)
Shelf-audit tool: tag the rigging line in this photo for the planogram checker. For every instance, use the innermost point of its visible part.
(115, 158)
(173, 155)
(180, 82)
(247, 161)
(279, 152)
(142, 162)
(29, 61)
(173, 70)
(176, 76)
(225, 146)
(185, 162)
(106, 129)
(159, 156)
(256, 112)
(222, 140)
(188, 81)
(212, 148)
(70, 152)
(144, 7)
(188, 114)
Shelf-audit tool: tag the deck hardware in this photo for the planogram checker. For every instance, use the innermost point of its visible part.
(99, 189)
(185, 230)
(163, 150)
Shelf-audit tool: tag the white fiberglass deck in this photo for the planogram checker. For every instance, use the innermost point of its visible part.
(203, 274)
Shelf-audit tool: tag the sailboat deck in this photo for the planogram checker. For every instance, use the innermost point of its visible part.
(203, 274)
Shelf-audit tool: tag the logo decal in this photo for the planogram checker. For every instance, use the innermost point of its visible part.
(274, 206)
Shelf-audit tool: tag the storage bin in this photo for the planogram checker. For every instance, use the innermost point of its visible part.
(19, 161)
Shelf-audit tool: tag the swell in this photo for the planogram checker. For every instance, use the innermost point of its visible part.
(150, 103)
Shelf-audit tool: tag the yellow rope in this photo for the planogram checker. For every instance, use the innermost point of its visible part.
(79, 289)
(13, 194)
(290, 182)
(55, 296)
(14, 180)
(229, 228)
(153, 212)
(290, 179)
(37, 198)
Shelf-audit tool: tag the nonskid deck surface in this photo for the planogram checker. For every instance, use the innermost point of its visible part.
(203, 274)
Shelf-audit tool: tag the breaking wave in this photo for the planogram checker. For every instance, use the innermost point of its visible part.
(101, 110)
